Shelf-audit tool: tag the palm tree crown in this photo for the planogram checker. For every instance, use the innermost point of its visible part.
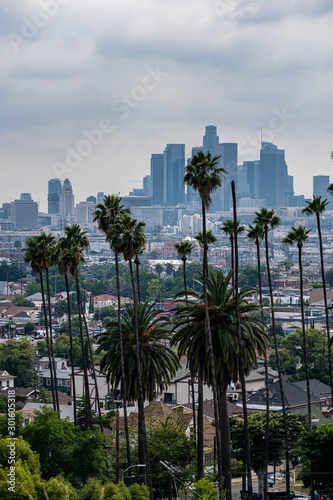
(184, 248)
(203, 175)
(267, 218)
(228, 228)
(297, 235)
(158, 362)
(110, 210)
(315, 207)
(256, 233)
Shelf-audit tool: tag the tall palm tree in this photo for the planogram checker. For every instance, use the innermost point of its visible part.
(204, 176)
(210, 240)
(159, 363)
(228, 228)
(36, 255)
(189, 336)
(62, 256)
(330, 189)
(76, 242)
(269, 221)
(299, 236)
(317, 207)
(106, 215)
(184, 248)
(256, 233)
(127, 236)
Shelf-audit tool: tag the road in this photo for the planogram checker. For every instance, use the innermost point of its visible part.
(236, 488)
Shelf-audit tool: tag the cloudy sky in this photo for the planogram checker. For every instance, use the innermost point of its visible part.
(90, 89)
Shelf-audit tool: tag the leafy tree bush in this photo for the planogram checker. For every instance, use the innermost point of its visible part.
(18, 358)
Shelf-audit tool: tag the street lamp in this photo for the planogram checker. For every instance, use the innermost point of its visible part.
(130, 467)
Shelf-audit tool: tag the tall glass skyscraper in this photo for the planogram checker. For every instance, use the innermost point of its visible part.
(156, 174)
(173, 175)
(273, 175)
(54, 196)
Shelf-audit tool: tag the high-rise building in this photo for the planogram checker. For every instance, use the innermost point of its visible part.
(100, 197)
(53, 196)
(320, 185)
(253, 177)
(147, 185)
(91, 198)
(25, 196)
(221, 198)
(66, 200)
(84, 212)
(156, 174)
(273, 175)
(24, 214)
(173, 175)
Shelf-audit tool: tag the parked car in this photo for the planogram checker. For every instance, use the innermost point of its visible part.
(279, 495)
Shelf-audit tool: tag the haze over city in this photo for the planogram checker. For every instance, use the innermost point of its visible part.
(152, 73)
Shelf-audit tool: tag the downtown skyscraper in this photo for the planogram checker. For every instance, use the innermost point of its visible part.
(167, 176)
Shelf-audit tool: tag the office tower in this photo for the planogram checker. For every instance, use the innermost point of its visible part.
(173, 175)
(54, 196)
(147, 185)
(91, 198)
(273, 175)
(84, 212)
(156, 174)
(25, 196)
(66, 200)
(221, 198)
(24, 214)
(99, 198)
(320, 185)
(253, 177)
(290, 202)
(228, 161)
(243, 190)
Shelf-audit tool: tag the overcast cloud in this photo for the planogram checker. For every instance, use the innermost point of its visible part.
(146, 73)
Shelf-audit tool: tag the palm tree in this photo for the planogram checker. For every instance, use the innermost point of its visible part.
(62, 256)
(184, 248)
(106, 215)
(76, 242)
(256, 233)
(37, 254)
(127, 237)
(317, 207)
(228, 228)
(158, 362)
(269, 221)
(210, 239)
(299, 236)
(190, 338)
(204, 176)
(330, 189)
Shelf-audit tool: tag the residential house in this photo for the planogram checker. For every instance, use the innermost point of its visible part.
(63, 373)
(6, 380)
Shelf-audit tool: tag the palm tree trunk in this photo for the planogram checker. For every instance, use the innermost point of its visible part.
(210, 349)
(93, 372)
(200, 451)
(48, 344)
(285, 427)
(122, 366)
(192, 377)
(51, 339)
(137, 264)
(264, 492)
(305, 347)
(225, 442)
(71, 347)
(240, 355)
(142, 432)
(325, 304)
(84, 357)
(232, 260)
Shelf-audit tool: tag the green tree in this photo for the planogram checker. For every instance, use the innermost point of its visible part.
(228, 228)
(299, 236)
(159, 269)
(190, 340)
(38, 253)
(158, 362)
(257, 431)
(317, 449)
(205, 176)
(317, 207)
(155, 290)
(127, 236)
(18, 359)
(269, 221)
(18, 300)
(107, 214)
(29, 327)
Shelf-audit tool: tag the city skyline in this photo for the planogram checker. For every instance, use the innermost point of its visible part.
(117, 82)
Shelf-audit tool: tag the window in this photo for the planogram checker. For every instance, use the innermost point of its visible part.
(59, 382)
(68, 383)
(101, 404)
(48, 381)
